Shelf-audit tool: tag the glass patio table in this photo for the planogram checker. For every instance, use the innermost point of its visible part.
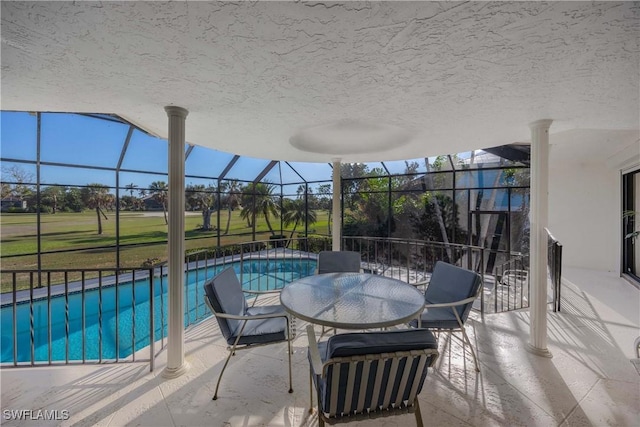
(352, 300)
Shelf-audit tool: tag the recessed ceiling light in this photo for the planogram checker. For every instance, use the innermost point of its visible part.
(349, 136)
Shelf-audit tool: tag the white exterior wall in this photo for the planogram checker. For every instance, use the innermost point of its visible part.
(585, 196)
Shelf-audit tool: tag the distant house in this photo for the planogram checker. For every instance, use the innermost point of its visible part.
(12, 202)
(151, 203)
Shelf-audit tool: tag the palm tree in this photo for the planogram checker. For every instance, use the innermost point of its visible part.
(326, 197)
(258, 200)
(95, 196)
(294, 211)
(130, 188)
(159, 191)
(233, 189)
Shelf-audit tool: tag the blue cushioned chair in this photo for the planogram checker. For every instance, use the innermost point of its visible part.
(366, 375)
(338, 262)
(243, 326)
(449, 298)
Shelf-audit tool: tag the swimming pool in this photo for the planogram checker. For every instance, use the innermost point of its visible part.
(96, 330)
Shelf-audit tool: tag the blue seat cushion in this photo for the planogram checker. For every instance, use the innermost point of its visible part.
(225, 294)
(450, 283)
(261, 331)
(354, 344)
(437, 318)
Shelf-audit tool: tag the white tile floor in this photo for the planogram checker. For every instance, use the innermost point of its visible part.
(589, 380)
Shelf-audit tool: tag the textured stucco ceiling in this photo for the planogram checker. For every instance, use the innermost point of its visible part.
(455, 76)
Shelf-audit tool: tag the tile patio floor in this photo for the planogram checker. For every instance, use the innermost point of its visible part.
(589, 381)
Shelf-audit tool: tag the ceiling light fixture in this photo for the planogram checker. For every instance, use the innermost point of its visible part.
(348, 136)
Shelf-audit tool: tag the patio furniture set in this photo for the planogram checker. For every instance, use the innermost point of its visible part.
(355, 375)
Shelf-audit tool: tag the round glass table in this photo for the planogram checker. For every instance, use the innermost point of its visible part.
(352, 300)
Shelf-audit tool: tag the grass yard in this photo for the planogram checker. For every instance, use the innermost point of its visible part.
(74, 231)
(143, 237)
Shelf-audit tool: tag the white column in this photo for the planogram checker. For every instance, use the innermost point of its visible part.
(539, 215)
(337, 213)
(176, 364)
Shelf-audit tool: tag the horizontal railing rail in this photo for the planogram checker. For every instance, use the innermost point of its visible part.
(107, 315)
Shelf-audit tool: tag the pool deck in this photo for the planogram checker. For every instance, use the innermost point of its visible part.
(589, 381)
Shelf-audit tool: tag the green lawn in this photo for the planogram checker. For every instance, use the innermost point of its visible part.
(66, 231)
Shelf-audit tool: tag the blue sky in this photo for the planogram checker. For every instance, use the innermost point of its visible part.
(90, 142)
(85, 141)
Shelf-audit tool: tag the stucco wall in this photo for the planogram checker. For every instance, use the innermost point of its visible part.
(585, 195)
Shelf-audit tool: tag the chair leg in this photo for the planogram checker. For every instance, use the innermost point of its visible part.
(418, 414)
(466, 338)
(226, 362)
(289, 354)
(310, 393)
(473, 353)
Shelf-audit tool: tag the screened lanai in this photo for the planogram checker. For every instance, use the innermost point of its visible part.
(102, 174)
(449, 85)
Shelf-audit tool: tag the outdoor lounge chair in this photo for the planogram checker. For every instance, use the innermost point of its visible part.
(338, 262)
(449, 298)
(243, 326)
(371, 374)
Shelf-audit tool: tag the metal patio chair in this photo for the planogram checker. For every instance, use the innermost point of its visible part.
(448, 301)
(243, 326)
(338, 262)
(366, 375)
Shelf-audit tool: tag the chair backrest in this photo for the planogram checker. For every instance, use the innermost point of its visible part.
(450, 283)
(338, 262)
(365, 373)
(225, 295)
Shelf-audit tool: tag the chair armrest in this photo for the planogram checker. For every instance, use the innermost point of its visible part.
(252, 317)
(422, 283)
(451, 304)
(316, 362)
(274, 291)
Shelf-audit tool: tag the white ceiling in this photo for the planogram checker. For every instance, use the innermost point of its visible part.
(446, 77)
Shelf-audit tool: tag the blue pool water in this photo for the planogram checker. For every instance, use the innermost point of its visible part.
(133, 304)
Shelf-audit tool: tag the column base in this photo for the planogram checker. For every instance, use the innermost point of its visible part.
(171, 373)
(542, 352)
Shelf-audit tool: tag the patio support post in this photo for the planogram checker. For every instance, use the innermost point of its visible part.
(538, 246)
(176, 364)
(337, 196)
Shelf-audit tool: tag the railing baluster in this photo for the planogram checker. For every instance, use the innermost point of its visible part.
(84, 321)
(133, 314)
(117, 291)
(195, 285)
(49, 326)
(66, 317)
(152, 353)
(100, 316)
(31, 325)
(185, 275)
(162, 304)
(15, 320)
